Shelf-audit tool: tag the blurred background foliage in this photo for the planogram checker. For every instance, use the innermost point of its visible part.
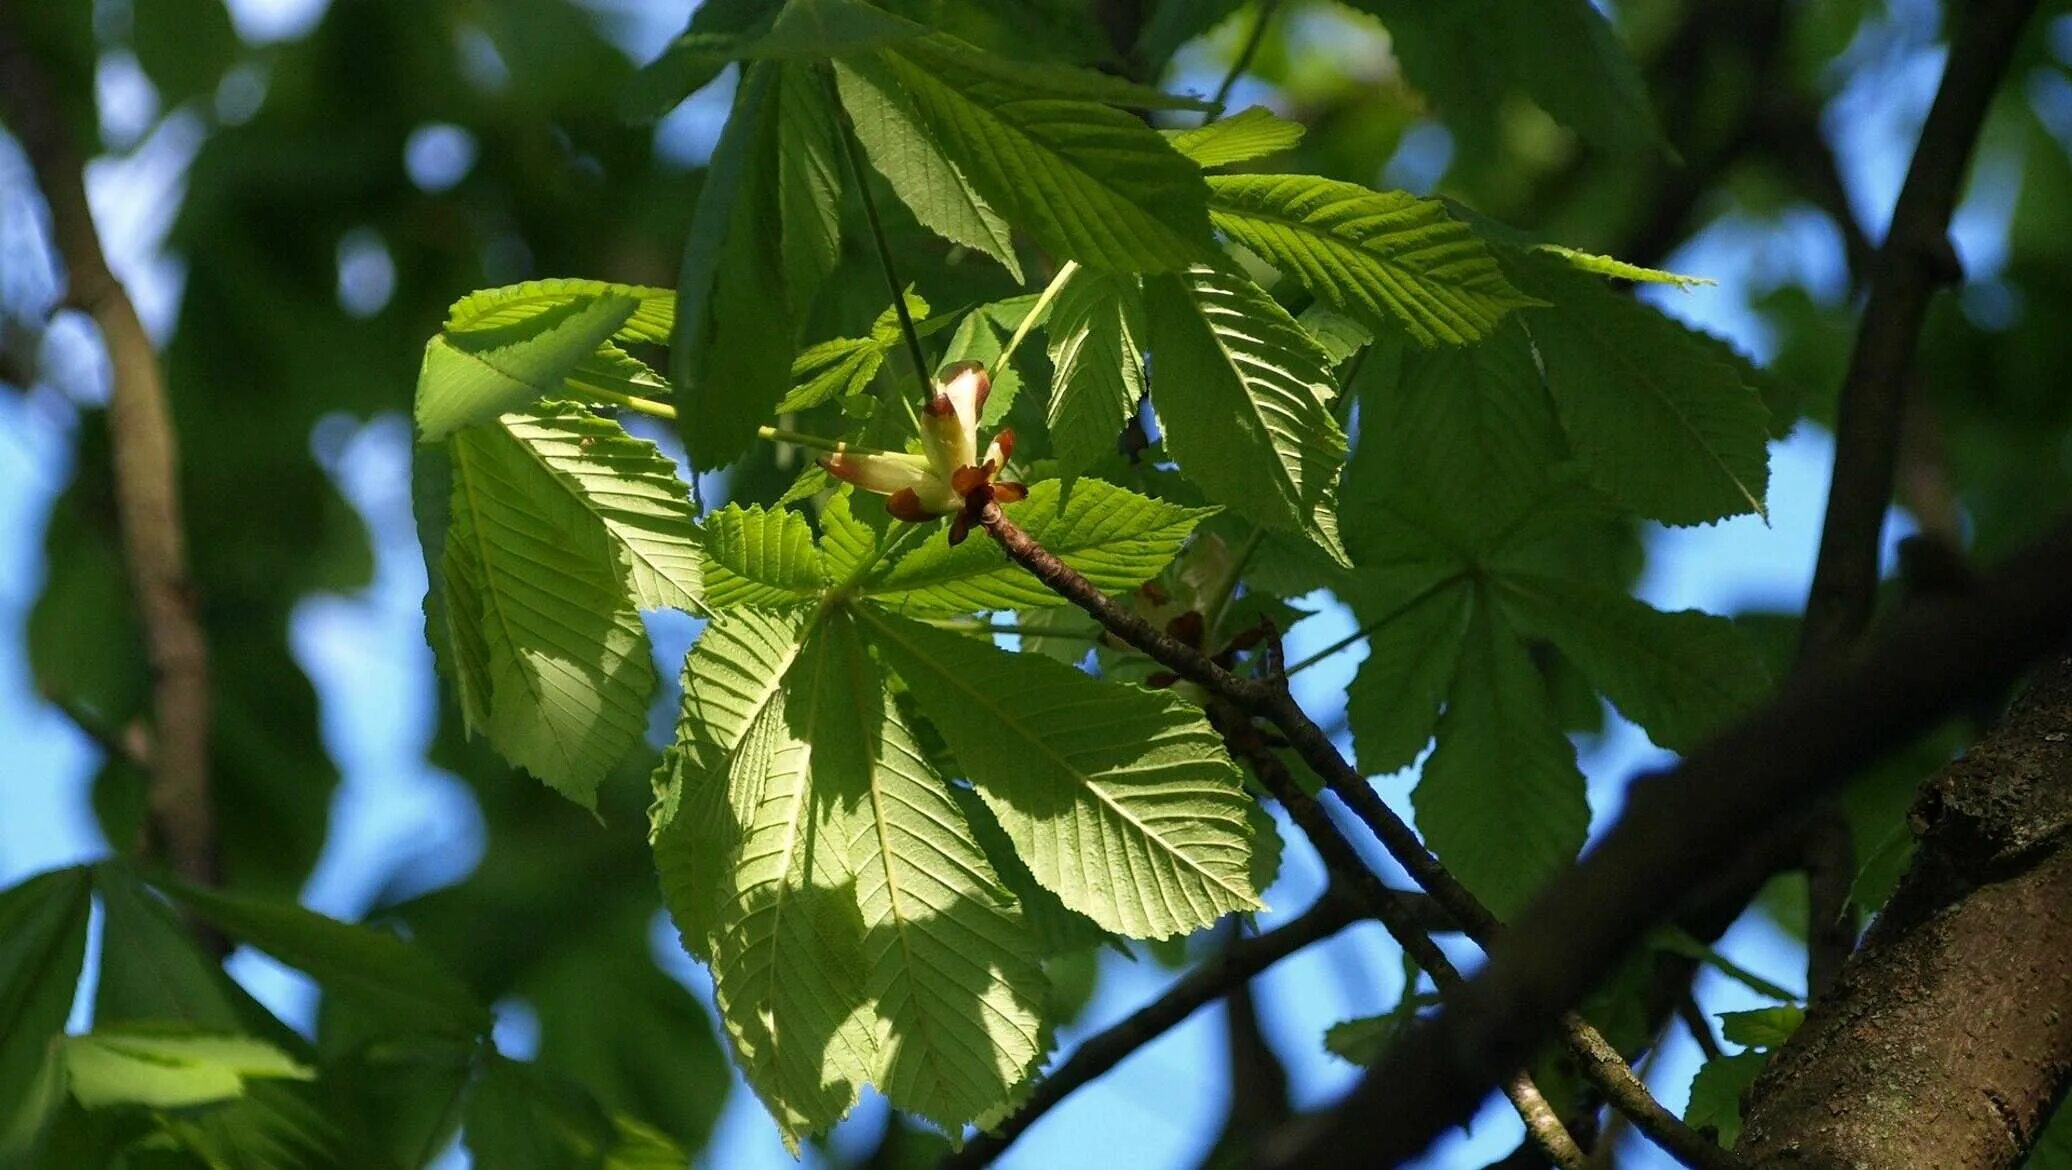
(315, 182)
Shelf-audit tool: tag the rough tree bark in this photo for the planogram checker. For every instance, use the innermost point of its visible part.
(1948, 1039)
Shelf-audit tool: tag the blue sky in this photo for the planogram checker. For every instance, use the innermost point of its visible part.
(366, 655)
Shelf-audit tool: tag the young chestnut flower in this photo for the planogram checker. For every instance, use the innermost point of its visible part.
(947, 477)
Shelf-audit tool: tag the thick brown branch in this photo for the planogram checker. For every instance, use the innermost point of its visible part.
(1916, 259)
(146, 465)
(1270, 699)
(1684, 827)
(1949, 1036)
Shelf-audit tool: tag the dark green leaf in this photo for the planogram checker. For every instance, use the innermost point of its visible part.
(42, 945)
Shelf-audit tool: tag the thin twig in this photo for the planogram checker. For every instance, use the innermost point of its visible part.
(1203, 985)
(1542, 1124)
(147, 475)
(1270, 699)
(1245, 55)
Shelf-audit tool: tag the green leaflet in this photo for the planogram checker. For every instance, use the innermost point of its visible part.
(1658, 415)
(922, 173)
(1253, 132)
(1116, 538)
(518, 1114)
(809, 180)
(490, 309)
(1466, 430)
(1608, 266)
(549, 655)
(1241, 391)
(396, 979)
(1097, 336)
(633, 491)
(1767, 1027)
(846, 365)
(1384, 257)
(732, 350)
(981, 335)
(858, 935)
(695, 58)
(1563, 53)
(1679, 675)
(169, 1070)
(475, 376)
(1501, 802)
(1393, 702)
(1039, 145)
(1121, 801)
(43, 925)
(760, 558)
(1716, 1092)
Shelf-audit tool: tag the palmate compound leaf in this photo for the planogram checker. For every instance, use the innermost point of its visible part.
(1122, 801)
(855, 931)
(1387, 258)
(1241, 391)
(547, 649)
(1097, 336)
(972, 143)
(1116, 538)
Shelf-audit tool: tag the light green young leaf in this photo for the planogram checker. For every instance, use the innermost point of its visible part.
(1387, 258)
(1241, 391)
(549, 655)
(981, 336)
(1657, 416)
(1340, 336)
(732, 348)
(1717, 1090)
(162, 1070)
(1122, 801)
(761, 559)
(1680, 675)
(860, 935)
(1040, 144)
(375, 968)
(43, 923)
(1768, 1027)
(1393, 702)
(491, 309)
(475, 376)
(633, 491)
(846, 365)
(1609, 266)
(1253, 132)
(1501, 802)
(1116, 538)
(1097, 337)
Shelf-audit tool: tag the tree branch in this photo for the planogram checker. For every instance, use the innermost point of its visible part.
(1916, 259)
(146, 472)
(1686, 826)
(1271, 700)
(1962, 995)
